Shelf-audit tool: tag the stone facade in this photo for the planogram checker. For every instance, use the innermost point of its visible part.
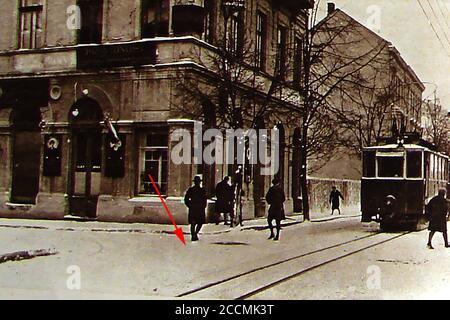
(55, 87)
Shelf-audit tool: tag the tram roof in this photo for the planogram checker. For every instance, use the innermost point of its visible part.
(405, 146)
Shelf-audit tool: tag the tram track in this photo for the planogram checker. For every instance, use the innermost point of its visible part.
(250, 283)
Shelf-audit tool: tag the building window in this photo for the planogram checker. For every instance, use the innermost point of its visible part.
(155, 18)
(281, 50)
(234, 35)
(298, 61)
(209, 23)
(261, 40)
(30, 24)
(91, 21)
(154, 153)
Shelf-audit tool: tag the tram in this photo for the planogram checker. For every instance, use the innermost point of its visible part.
(398, 181)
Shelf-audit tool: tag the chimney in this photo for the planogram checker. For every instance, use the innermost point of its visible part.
(331, 7)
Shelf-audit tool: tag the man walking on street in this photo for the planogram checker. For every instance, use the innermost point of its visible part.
(438, 210)
(276, 198)
(335, 197)
(224, 203)
(196, 200)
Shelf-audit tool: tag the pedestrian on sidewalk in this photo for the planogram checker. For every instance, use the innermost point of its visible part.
(196, 200)
(276, 198)
(335, 200)
(437, 210)
(224, 203)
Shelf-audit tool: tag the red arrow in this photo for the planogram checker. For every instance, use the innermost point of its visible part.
(178, 231)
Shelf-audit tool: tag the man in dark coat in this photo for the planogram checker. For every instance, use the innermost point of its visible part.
(335, 197)
(196, 200)
(276, 198)
(224, 203)
(438, 211)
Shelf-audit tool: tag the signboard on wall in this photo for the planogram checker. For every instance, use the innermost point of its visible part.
(116, 55)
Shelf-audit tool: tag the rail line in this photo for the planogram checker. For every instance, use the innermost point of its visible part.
(285, 261)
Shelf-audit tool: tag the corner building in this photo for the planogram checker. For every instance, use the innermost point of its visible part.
(73, 72)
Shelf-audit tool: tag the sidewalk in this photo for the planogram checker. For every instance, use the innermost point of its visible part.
(142, 228)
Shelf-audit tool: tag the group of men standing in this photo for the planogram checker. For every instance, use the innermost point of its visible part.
(229, 201)
(196, 200)
(225, 194)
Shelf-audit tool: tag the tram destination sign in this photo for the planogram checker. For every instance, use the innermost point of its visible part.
(116, 55)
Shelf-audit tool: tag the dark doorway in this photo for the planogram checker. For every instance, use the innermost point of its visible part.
(86, 171)
(26, 135)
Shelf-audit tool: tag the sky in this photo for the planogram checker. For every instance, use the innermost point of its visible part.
(419, 29)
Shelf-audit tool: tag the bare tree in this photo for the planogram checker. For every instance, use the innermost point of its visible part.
(336, 55)
(364, 113)
(436, 125)
(226, 89)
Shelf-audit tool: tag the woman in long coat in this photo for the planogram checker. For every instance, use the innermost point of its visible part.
(438, 210)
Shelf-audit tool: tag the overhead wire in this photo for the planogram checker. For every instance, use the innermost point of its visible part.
(438, 21)
(433, 28)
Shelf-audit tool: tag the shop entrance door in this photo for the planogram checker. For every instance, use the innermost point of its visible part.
(87, 168)
(26, 164)
(26, 153)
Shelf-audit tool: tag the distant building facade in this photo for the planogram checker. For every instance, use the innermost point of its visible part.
(393, 94)
(87, 107)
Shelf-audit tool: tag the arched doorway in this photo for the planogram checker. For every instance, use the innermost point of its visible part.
(25, 120)
(86, 165)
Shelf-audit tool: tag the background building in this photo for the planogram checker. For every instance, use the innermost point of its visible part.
(381, 90)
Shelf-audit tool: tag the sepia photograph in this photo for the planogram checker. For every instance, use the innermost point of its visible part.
(224, 155)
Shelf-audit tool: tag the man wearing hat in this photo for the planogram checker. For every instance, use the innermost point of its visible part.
(196, 200)
(276, 198)
(438, 212)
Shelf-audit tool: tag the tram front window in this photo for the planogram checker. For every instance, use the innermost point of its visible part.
(369, 164)
(390, 167)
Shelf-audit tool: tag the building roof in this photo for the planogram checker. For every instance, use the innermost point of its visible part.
(392, 49)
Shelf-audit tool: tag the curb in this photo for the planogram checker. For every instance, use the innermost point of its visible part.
(258, 227)
(331, 218)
